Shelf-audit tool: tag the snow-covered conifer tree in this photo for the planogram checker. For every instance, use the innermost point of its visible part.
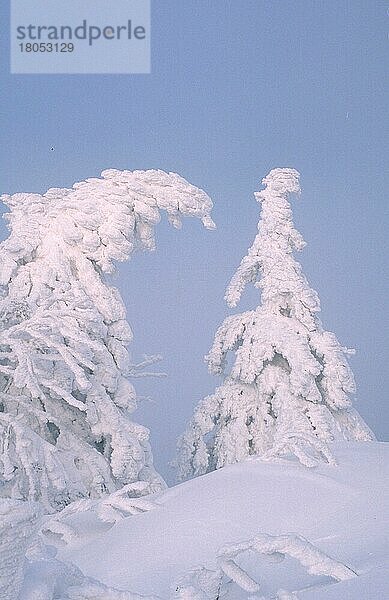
(65, 397)
(288, 390)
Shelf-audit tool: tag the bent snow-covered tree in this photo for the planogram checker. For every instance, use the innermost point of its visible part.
(65, 397)
(288, 390)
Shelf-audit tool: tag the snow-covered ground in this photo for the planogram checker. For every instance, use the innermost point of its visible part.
(342, 510)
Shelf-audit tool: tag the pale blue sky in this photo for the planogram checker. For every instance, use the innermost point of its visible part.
(237, 88)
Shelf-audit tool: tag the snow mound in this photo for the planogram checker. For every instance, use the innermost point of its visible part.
(339, 511)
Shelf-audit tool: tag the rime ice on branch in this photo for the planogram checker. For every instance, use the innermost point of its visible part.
(288, 390)
(65, 398)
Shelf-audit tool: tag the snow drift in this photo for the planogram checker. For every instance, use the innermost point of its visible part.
(339, 511)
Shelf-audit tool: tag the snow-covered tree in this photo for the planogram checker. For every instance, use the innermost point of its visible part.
(65, 397)
(288, 389)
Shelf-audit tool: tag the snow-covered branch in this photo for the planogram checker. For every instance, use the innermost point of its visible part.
(207, 583)
(132, 499)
